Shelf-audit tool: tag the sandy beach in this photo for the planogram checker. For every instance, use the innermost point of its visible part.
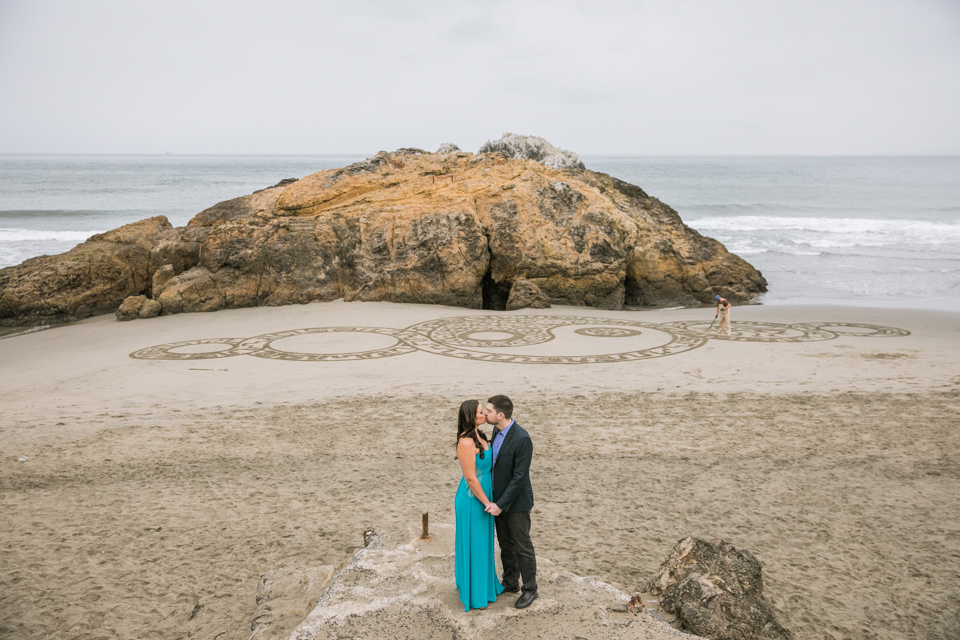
(170, 462)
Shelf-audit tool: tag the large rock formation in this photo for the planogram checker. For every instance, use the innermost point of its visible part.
(449, 228)
(716, 590)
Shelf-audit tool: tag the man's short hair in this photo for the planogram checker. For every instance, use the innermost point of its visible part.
(502, 404)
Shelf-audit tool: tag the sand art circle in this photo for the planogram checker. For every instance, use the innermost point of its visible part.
(262, 346)
(755, 331)
(607, 332)
(478, 331)
(485, 337)
(860, 330)
(457, 338)
(798, 332)
(495, 339)
(188, 350)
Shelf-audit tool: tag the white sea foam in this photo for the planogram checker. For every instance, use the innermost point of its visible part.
(35, 235)
(808, 236)
(931, 231)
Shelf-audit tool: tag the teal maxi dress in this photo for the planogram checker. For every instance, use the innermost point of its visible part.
(474, 566)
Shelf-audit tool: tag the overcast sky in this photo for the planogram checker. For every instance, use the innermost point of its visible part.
(636, 78)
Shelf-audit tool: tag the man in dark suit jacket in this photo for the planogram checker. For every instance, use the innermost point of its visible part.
(513, 500)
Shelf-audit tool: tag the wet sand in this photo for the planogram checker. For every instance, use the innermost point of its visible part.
(156, 492)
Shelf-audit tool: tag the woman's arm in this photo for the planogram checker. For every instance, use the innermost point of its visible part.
(466, 454)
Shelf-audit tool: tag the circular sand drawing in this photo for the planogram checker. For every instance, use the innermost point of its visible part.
(262, 347)
(457, 338)
(607, 332)
(477, 337)
(187, 350)
(801, 332)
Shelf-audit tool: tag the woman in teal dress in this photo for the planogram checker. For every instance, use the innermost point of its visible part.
(474, 568)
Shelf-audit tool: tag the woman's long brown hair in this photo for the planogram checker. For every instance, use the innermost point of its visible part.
(467, 424)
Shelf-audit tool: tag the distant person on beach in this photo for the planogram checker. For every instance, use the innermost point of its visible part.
(723, 310)
(475, 570)
(512, 500)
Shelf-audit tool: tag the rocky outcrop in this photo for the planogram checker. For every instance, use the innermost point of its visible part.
(135, 307)
(526, 295)
(130, 308)
(149, 309)
(716, 590)
(161, 277)
(450, 228)
(512, 145)
(407, 591)
(91, 279)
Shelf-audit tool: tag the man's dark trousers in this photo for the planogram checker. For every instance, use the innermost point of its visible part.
(516, 551)
(513, 493)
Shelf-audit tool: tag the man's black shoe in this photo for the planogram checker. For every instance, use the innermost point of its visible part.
(526, 600)
(512, 589)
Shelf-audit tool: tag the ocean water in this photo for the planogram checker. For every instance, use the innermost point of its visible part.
(869, 231)
(872, 231)
(49, 204)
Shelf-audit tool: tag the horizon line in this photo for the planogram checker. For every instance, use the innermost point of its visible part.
(582, 155)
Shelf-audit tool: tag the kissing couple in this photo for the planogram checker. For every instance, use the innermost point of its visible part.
(495, 493)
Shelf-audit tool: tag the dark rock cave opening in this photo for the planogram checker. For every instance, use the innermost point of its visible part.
(632, 294)
(493, 293)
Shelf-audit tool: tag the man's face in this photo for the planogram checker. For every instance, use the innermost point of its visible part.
(491, 414)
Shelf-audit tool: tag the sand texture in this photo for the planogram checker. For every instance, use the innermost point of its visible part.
(158, 489)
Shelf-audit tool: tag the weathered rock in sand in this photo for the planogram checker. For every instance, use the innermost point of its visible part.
(526, 295)
(161, 277)
(138, 307)
(149, 309)
(408, 592)
(129, 309)
(409, 226)
(716, 591)
(93, 278)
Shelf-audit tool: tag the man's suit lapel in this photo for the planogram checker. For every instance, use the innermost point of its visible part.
(506, 439)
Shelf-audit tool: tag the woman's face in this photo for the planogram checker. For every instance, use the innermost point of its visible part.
(481, 417)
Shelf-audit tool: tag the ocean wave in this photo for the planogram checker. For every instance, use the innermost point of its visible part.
(761, 207)
(67, 214)
(753, 251)
(35, 235)
(826, 225)
(916, 253)
(826, 233)
(778, 209)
